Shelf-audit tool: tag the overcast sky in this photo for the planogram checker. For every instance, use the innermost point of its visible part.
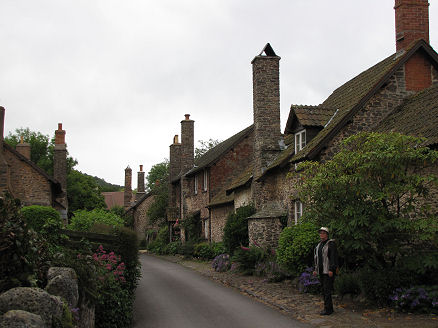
(120, 75)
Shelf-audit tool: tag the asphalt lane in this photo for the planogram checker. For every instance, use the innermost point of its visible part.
(170, 295)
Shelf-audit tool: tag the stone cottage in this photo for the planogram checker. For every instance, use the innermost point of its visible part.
(137, 206)
(194, 184)
(398, 93)
(24, 180)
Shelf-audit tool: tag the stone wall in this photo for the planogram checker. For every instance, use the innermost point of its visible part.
(141, 219)
(26, 183)
(264, 232)
(242, 197)
(218, 218)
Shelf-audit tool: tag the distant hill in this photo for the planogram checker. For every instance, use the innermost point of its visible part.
(106, 186)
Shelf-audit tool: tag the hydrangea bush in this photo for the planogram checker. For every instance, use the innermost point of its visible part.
(416, 299)
(221, 263)
(308, 283)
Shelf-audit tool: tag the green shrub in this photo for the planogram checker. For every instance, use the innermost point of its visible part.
(187, 249)
(159, 245)
(295, 247)
(203, 251)
(218, 248)
(84, 220)
(172, 248)
(24, 256)
(421, 299)
(236, 228)
(37, 216)
(347, 283)
(248, 258)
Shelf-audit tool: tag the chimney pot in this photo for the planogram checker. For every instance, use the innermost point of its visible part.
(21, 139)
(187, 116)
(141, 168)
(59, 126)
(175, 139)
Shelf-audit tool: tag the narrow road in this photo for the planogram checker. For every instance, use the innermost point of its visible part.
(170, 295)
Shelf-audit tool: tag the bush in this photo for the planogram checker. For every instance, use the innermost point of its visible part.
(295, 247)
(270, 269)
(37, 216)
(208, 251)
(221, 263)
(236, 228)
(422, 299)
(248, 258)
(23, 256)
(173, 247)
(378, 284)
(84, 220)
(187, 249)
(158, 246)
(347, 283)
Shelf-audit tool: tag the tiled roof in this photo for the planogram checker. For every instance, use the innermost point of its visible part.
(214, 154)
(240, 180)
(113, 198)
(418, 116)
(221, 198)
(138, 202)
(351, 96)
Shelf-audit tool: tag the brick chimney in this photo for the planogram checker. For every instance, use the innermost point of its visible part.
(60, 167)
(23, 148)
(266, 105)
(187, 144)
(140, 184)
(411, 22)
(174, 158)
(4, 176)
(128, 190)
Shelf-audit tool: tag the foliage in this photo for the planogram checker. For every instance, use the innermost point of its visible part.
(157, 183)
(114, 305)
(106, 186)
(248, 258)
(347, 283)
(205, 146)
(308, 283)
(368, 194)
(221, 263)
(193, 228)
(84, 220)
(173, 248)
(36, 216)
(270, 269)
(16, 245)
(83, 193)
(423, 299)
(41, 149)
(207, 250)
(295, 247)
(236, 228)
(159, 244)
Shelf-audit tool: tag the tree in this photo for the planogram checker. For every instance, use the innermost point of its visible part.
(41, 148)
(83, 192)
(205, 146)
(157, 182)
(373, 194)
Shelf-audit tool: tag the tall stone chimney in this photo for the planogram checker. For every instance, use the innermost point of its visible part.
(128, 189)
(411, 22)
(174, 168)
(266, 105)
(60, 167)
(187, 144)
(4, 176)
(23, 148)
(140, 184)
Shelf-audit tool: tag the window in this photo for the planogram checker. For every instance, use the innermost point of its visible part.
(196, 184)
(298, 210)
(300, 140)
(205, 180)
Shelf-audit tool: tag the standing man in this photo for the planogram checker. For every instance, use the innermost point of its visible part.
(325, 265)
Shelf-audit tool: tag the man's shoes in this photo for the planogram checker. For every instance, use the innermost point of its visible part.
(326, 312)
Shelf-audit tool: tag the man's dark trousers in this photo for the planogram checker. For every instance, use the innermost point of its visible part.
(327, 288)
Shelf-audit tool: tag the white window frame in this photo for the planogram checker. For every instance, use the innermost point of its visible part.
(205, 180)
(298, 210)
(196, 184)
(300, 140)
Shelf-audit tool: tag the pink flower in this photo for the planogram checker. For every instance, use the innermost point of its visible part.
(244, 248)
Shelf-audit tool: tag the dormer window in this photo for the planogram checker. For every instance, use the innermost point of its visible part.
(205, 180)
(300, 140)
(196, 184)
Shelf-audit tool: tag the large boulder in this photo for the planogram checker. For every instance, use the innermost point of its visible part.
(63, 282)
(21, 319)
(34, 300)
